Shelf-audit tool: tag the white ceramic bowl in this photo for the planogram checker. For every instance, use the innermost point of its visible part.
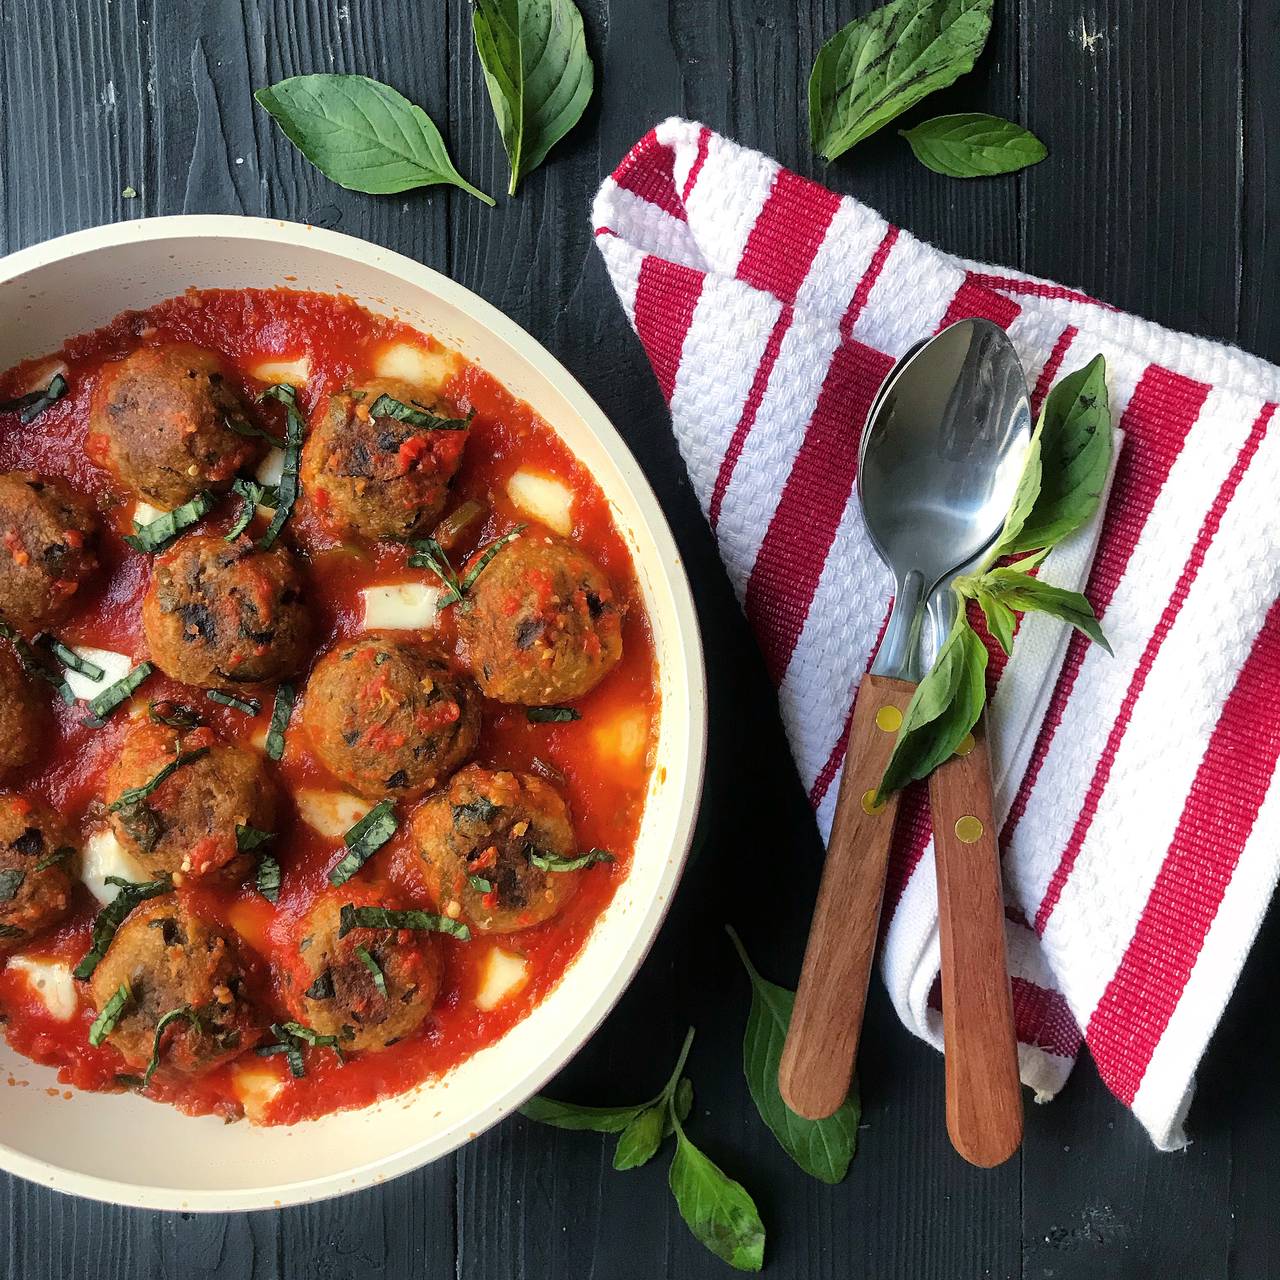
(125, 1149)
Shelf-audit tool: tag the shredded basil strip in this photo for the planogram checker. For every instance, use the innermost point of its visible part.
(322, 987)
(490, 551)
(268, 878)
(132, 796)
(353, 917)
(429, 554)
(52, 859)
(177, 715)
(250, 706)
(242, 427)
(253, 495)
(295, 429)
(552, 715)
(9, 931)
(11, 882)
(113, 695)
(72, 660)
(105, 1023)
(183, 1011)
(290, 1036)
(365, 839)
(415, 415)
(161, 531)
(280, 713)
(250, 838)
(553, 862)
(113, 915)
(34, 665)
(480, 884)
(34, 403)
(379, 979)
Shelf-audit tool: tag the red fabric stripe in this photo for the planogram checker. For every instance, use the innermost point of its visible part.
(787, 568)
(1043, 1019)
(605, 231)
(1049, 374)
(704, 138)
(1033, 288)
(1102, 774)
(759, 384)
(666, 294)
(1217, 818)
(975, 301)
(787, 234)
(867, 283)
(1161, 412)
(648, 171)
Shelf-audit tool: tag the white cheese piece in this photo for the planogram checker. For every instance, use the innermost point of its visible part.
(145, 513)
(331, 813)
(543, 498)
(271, 468)
(105, 856)
(401, 606)
(624, 736)
(502, 976)
(257, 1086)
(294, 372)
(52, 982)
(115, 666)
(410, 363)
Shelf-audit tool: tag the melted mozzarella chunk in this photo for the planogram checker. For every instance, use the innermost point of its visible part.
(52, 982)
(429, 370)
(502, 976)
(105, 856)
(294, 372)
(115, 666)
(271, 468)
(543, 498)
(624, 736)
(145, 513)
(401, 606)
(331, 813)
(257, 1086)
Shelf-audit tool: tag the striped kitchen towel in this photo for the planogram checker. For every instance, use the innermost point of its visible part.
(1141, 820)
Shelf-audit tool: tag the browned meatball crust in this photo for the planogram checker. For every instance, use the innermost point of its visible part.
(23, 716)
(387, 715)
(375, 475)
(46, 549)
(542, 624)
(187, 825)
(38, 869)
(159, 417)
(170, 958)
(480, 831)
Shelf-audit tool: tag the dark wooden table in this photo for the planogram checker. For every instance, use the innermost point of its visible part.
(1158, 195)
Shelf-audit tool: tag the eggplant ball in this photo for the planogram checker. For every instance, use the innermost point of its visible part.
(46, 541)
(187, 824)
(388, 715)
(376, 475)
(544, 624)
(331, 988)
(480, 831)
(217, 612)
(159, 421)
(22, 714)
(38, 869)
(172, 959)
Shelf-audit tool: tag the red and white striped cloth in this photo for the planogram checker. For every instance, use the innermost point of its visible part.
(1142, 821)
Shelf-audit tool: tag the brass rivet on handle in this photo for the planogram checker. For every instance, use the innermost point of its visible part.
(969, 829)
(871, 804)
(967, 744)
(889, 719)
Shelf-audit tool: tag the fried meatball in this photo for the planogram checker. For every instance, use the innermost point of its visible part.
(484, 825)
(188, 823)
(172, 959)
(38, 864)
(46, 540)
(330, 988)
(388, 715)
(376, 475)
(159, 418)
(543, 624)
(218, 612)
(22, 714)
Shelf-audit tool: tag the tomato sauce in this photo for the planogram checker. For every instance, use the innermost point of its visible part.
(601, 762)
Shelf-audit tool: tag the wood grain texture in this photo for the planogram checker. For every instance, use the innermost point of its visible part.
(1160, 194)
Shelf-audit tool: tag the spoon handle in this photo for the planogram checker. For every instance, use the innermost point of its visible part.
(984, 1096)
(822, 1041)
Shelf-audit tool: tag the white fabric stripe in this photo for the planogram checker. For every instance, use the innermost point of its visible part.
(623, 263)
(726, 201)
(841, 262)
(649, 228)
(909, 298)
(682, 137)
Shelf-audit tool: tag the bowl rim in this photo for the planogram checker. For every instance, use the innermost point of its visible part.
(687, 642)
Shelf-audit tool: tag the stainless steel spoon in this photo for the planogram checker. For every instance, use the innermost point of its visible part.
(939, 460)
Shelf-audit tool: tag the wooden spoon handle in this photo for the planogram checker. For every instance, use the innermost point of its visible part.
(822, 1042)
(984, 1096)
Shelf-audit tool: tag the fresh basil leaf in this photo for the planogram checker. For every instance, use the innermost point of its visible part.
(415, 415)
(113, 915)
(567, 1115)
(105, 1023)
(116, 694)
(552, 715)
(281, 710)
(267, 878)
(248, 706)
(974, 145)
(822, 1148)
(361, 134)
(641, 1138)
(945, 706)
(295, 430)
(1000, 618)
(353, 917)
(161, 531)
(11, 882)
(185, 1011)
(553, 862)
(31, 405)
(365, 839)
(539, 74)
(876, 67)
(1026, 594)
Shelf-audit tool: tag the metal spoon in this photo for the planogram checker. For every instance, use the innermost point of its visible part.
(939, 461)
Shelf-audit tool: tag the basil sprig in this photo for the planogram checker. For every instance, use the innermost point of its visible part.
(364, 840)
(113, 915)
(31, 405)
(160, 532)
(1059, 490)
(415, 415)
(974, 145)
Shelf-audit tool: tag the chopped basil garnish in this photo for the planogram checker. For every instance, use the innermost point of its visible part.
(113, 915)
(72, 660)
(290, 1037)
(552, 715)
(177, 715)
(34, 403)
(481, 809)
(115, 694)
(184, 1011)
(365, 839)
(161, 531)
(10, 883)
(52, 859)
(105, 1023)
(251, 493)
(429, 554)
(553, 862)
(322, 987)
(268, 878)
(250, 838)
(250, 706)
(280, 713)
(133, 796)
(490, 551)
(33, 664)
(379, 979)
(295, 429)
(480, 884)
(242, 427)
(8, 931)
(353, 917)
(415, 415)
